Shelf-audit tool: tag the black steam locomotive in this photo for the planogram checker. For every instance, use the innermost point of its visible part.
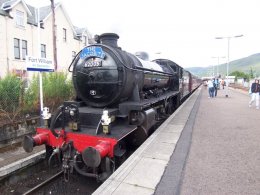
(120, 98)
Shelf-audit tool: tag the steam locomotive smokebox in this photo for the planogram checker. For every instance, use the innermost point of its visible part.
(109, 39)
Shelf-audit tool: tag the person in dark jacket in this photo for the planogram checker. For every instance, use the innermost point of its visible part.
(255, 90)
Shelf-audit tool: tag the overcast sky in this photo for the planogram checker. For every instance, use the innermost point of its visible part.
(181, 30)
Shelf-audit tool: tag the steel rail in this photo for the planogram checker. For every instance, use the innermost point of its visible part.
(43, 183)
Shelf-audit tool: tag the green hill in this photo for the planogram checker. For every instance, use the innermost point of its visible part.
(242, 65)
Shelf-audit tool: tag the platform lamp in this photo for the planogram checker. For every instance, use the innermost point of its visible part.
(228, 38)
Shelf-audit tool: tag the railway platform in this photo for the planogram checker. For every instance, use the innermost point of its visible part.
(13, 158)
(208, 146)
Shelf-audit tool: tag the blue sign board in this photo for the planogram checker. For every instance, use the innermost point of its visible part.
(92, 51)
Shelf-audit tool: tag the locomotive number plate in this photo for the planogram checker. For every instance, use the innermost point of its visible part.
(93, 63)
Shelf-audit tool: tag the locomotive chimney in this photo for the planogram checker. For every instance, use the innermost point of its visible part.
(109, 39)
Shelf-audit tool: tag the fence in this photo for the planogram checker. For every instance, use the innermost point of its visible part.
(19, 103)
(10, 98)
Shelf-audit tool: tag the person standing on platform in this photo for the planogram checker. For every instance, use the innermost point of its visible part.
(223, 83)
(210, 88)
(216, 84)
(255, 90)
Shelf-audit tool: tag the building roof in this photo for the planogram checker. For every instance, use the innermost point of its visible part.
(2, 11)
(8, 5)
(45, 12)
(83, 31)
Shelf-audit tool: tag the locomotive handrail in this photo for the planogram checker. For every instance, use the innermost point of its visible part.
(150, 70)
(136, 68)
(105, 82)
(73, 61)
(53, 121)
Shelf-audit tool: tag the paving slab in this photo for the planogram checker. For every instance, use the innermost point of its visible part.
(160, 150)
(147, 173)
(129, 189)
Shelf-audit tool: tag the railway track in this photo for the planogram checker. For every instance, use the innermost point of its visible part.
(40, 179)
(44, 183)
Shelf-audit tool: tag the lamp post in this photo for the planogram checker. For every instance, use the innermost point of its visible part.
(218, 57)
(54, 38)
(228, 38)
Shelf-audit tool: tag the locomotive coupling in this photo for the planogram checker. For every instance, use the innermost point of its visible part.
(92, 155)
(29, 142)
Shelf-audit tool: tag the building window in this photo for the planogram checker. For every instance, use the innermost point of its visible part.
(73, 54)
(43, 51)
(16, 48)
(64, 34)
(24, 49)
(19, 18)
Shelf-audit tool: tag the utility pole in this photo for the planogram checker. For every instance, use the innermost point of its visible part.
(54, 35)
(227, 76)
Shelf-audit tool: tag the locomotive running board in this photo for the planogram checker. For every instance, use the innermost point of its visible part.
(126, 107)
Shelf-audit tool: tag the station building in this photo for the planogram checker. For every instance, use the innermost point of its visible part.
(19, 36)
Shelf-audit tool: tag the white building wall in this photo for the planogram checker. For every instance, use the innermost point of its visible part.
(21, 33)
(65, 48)
(9, 31)
(3, 47)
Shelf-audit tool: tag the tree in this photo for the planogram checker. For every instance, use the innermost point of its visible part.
(239, 74)
(251, 73)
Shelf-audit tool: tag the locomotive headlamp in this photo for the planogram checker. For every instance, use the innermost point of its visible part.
(46, 115)
(106, 120)
(72, 113)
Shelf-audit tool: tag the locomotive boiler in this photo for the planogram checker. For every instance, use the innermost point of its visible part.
(119, 99)
(105, 75)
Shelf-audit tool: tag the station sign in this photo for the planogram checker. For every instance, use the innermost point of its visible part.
(39, 64)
